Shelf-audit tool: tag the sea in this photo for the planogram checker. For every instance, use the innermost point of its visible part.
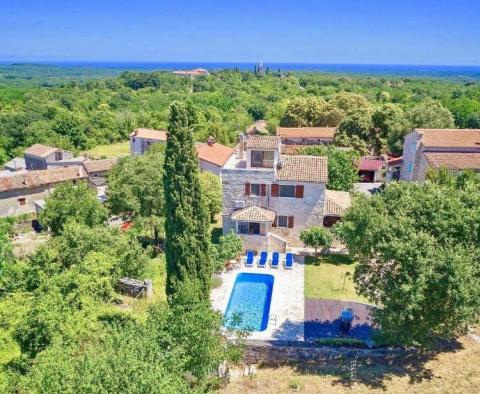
(436, 71)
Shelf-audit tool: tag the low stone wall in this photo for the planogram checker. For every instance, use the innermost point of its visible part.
(134, 287)
(273, 355)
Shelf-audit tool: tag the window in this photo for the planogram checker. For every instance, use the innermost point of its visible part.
(133, 139)
(58, 156)
(22, 201)
(287, 190)
(261, 158)
(255, 189)
(282, 221)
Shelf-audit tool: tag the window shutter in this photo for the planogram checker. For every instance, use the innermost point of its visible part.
(247, 189)
(290, 222)
(275, 190)
(263, 190)
(299, 191)
(274, 224)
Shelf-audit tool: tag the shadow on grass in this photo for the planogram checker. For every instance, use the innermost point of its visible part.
(376, 370)
(336, 259)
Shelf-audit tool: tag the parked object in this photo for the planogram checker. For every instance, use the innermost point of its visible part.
(249, 258)
(288, 261)
(262, 262)
(346, 318)
(275, 260)
(135, 287)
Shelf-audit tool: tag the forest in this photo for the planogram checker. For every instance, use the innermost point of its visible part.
(78, 110)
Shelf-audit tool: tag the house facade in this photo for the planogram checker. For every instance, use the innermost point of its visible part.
(141, 140)
(270, 197)
(306, 135)
(18, 193)
(40, 157)
(453, 149)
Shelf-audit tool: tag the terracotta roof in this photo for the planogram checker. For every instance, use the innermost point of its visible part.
(40, 150)
(99, 165)
(306, 132)
(159, 135)
(254, 214)
(262, 142)
(370, 164)
(454, 160)
(217, 154)
(450, 138)
(41, 178)
(303, 169)
(336, 203)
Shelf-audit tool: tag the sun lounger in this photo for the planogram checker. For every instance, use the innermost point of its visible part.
(288, 264)
(262, 262)
(249, 258)
(275, 260)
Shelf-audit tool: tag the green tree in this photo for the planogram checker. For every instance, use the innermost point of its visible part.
(392, 125)
(72, 202)
(228, 248)
(350, 103)
(71, 125)
(186, 214)
(304, 111)
(135, 186)
(342, 165)
(316, 237)
(212, 191)
(430, 114)
(417, 248)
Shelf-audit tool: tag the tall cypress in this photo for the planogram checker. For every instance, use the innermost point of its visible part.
(186, 222)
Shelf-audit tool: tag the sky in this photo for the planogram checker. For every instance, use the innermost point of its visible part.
(438, 32)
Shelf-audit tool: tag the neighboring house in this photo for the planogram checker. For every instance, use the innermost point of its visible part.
(142, 139)
(306, 135)
(371, 170)
(18, 193)
(191, 73)
(269, 197)
(213, 156)
(454, 149)
(97, 171)
(394, 168)
(40, 157)
(16, 164)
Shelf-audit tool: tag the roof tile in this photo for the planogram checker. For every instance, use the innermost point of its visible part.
(254, 214)
(454, 160)
(303, 168)
(306, 132)
(262, 142)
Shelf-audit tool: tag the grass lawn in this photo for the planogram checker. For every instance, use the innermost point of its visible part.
(120, 149)
(330, 277)
(454, 371)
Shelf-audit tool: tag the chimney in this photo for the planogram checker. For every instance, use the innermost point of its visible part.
(241, 145)
(210, 141)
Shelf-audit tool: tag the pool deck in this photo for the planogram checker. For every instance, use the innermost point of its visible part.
(287, 309)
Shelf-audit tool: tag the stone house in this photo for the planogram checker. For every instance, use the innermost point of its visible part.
(306, 135)
(40, 157)
(454, 149)
(141, 140)
(18, 193)
(371, 170)
(269, 197)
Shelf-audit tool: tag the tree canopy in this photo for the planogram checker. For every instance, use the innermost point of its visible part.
(418, 251)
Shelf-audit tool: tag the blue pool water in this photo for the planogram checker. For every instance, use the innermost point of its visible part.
(249, 303)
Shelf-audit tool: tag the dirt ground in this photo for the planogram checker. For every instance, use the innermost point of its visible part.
(455, 369)
(27, 242)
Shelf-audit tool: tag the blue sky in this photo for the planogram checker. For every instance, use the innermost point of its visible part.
(300, 31)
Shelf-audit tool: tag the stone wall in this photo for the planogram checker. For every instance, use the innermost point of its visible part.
(410, 147)
(9, 205)
(274, 355)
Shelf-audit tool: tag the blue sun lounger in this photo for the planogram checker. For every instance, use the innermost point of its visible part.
(249, 258)
(288, 261)
(262, 262)
(275, 260)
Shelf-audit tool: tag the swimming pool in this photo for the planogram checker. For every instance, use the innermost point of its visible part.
(249, 303)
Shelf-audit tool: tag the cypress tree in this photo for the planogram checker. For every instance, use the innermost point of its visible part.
(187, 221)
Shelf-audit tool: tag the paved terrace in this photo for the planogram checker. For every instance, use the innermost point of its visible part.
(286, 319)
